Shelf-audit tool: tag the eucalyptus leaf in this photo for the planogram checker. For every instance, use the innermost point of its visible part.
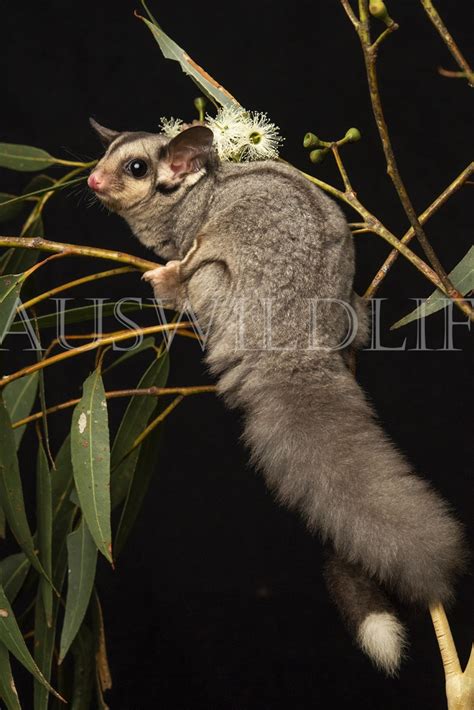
(90, 451)
(82, 561)
(11, 636)
(43, 649)
(62, 483)
(24, 158)
(44, 518)
(11, 491)
(462, 278)
(170, 50)
(8, 691)
(3, 524)
(19, 398)
(13, 571)
(134, 421)
(10, 287)
(9, 211)
(83, 683)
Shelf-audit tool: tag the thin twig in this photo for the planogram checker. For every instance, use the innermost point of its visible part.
(126, 335)
(449, 41)
(77, 250)
(115, 394)
(424, 217)
(73, 284)
(370, 56)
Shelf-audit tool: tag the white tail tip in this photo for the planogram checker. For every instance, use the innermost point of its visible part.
(382, 637)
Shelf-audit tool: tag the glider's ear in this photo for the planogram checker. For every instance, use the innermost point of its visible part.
(106, 135)
(187, 153)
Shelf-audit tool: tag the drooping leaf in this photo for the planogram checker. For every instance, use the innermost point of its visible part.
(104, 676)
(24, 158)
(10, 287)
(83, 651)
(62, 483)
(9, 211)
(134, 421)
(170, 50)
(11, 636)
(90, 449)
(462, 277)
(19, 398)
(138, 487)
(11, 491)
(8, 691)
(43, 649)
(82, 560)
(44, 518)
(13, 571)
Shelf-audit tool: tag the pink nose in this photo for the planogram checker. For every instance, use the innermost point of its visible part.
(95, 181)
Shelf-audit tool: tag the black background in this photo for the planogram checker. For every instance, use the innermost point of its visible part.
(218, 601)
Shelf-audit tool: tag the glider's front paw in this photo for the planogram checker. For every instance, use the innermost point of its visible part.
(165, 280)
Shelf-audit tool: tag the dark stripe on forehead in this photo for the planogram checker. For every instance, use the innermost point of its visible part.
(125, 138)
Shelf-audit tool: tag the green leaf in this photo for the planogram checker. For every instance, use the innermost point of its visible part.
(103, 675)
(19, 398)
(62, 483)
(140, 480)
(83, 651)
(134, 421)
(12, 637)
(9, 212)
(462, 278)
(10, 287)
(13, 571)
(3, 524)
(80, 315)
(24, 157)
(170, 50)
(43, 649)
(8, 690)
(90, 450)
(11, 491)
(44, 518)
(82, 560)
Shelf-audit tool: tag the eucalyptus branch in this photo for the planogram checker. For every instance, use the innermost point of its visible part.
(115, 394)
(370, 56)
(77, 250)
(373, 224)
(434, 207)
(459, 684)
(108, 340)
(76, 282)
(445, 35)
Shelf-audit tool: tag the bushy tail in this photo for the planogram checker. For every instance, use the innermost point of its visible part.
(367, 613)
(314, 436)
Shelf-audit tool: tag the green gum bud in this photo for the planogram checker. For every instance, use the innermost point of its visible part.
(200, 104)
(353, 135)
(317, 156)
(311, 141)
(377, 9)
